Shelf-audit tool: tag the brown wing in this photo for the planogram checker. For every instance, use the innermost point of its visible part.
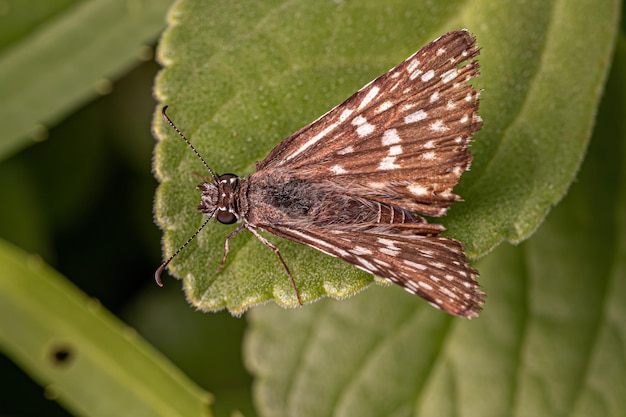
(402, 138)
(432, 267)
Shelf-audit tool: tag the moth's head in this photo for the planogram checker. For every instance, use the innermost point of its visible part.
(218, 198)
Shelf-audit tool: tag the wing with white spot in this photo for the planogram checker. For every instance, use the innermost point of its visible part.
(432, 267)
(403, 138)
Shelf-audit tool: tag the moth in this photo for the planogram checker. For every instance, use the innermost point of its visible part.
(356, 183)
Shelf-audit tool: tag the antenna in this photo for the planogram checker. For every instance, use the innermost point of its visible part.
(157, 273)
(167, 119)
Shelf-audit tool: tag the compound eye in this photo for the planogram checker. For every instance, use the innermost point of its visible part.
(225, 177)
(225, 217)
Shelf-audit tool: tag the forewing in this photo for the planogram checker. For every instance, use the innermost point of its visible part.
(404, 137)
(433, 267)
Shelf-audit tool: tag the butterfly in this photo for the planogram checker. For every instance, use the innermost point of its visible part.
(356, 183)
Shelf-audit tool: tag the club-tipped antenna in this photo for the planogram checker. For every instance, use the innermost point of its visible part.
(169, 121)
(157, 273)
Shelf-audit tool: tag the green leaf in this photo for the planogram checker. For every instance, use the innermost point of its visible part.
(84, 357)
(188, 338)
(239, 79)
(549, 343)
(56, 55)
(542, 77)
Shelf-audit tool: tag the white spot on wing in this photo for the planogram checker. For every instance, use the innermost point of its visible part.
(346, 150)
(412, 66)
(428, 75)
(450, 75)
(365, 129)
(359, 120)
(313, 140)
(415, 74)
(425, 285)
(362, 268)
(345, 114)
(370, 266)
(338, 169)
(390, 252)
(418, 190)
(438, 307)
(438, 126)
(384, 107)
(390, 137)
(381, 262)
(429, 155)
(387, 242)
(369, 97)
(359, 250)
(395, 150)
(318, 244)
(415, 117)
(448, 292)
(387, 163)
(377, 185)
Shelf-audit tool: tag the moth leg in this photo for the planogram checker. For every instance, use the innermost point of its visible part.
(227, 246)
(277, 252)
